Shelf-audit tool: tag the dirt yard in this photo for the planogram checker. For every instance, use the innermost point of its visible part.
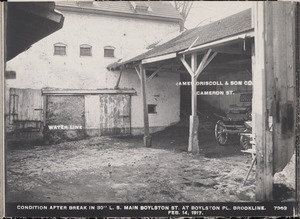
(104, 169)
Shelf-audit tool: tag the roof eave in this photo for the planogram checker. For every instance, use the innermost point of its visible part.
(114, 13)
(226, 40)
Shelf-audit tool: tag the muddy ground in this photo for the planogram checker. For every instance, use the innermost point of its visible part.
(104, 169)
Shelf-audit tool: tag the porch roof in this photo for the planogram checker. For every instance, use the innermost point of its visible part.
(230, 26)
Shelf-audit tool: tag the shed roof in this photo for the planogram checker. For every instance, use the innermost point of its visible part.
(229, 26)
(157, 9)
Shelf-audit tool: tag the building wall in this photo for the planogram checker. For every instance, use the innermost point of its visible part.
(39, 68)
(163, 92)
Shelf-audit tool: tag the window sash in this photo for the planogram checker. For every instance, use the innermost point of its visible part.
(85, 51)
(109, 53)
(60, 50)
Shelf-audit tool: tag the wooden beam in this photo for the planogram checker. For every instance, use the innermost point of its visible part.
(154, 73)
(229, 50)
(138, 73)
(261, 98)
(3, 17)
(186, 65)
(200, 67)
(159, 58)
(147, 137)
(193, 43)
(209, 60)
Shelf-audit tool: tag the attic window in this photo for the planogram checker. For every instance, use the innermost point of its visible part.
(85, 50)
(60, 49)
(109, 51)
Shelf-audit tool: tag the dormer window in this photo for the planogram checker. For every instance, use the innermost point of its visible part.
(85, 50)
(140, 6)
(60, 49)
(109, 51)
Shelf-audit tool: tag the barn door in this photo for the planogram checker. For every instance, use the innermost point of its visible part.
(25, 109)
(115, 114)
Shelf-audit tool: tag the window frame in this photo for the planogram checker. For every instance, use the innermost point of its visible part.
(109, 48)
(58, 52)
(85, 46)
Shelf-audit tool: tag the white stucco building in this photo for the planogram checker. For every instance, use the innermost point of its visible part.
(73, 62)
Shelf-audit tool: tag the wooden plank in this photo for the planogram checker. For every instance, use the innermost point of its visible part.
(147, 137)
(3, 15)
(264, 185)
(159, 58)
(87, 91)
(28, 104)
(92, 115)
(198, 70)
(268, 150)
(230, 50)
(284, 71)
(114, 114)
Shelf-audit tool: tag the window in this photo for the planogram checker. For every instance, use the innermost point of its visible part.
(60, 49)
(152, 108)
(85, 50)
(109, 51)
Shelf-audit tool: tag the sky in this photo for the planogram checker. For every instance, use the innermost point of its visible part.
(204, 12)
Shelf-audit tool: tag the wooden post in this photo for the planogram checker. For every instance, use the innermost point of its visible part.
(195, 70)
(297, 46)
(147, 137)
(273, 92)
(194, 120)
(261, 114)
(2, 95)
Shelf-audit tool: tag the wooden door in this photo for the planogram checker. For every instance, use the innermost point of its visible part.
(92, 115)
(115, 114)
(26, 108)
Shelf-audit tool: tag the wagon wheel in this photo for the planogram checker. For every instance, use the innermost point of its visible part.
(245, 142)
(220, 134)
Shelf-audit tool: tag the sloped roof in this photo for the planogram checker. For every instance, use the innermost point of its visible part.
(229, 26)
(157, 9)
